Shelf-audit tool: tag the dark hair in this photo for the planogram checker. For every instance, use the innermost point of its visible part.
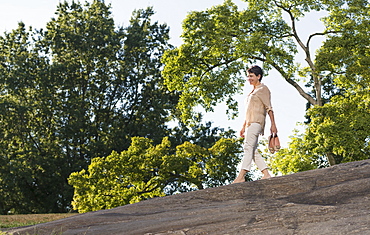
(256, 70)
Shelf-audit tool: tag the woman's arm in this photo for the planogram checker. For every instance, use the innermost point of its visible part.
(242, 131)
(273, 128)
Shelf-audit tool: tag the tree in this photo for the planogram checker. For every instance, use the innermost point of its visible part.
(73, 92)
(30, 155)
(77, 91)
(345, 58)
(147, 105)
(338, 129)
(145, 171)
(110, 79)
(298, 157)
(221, 41)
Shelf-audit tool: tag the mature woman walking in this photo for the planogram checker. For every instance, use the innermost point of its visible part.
(258, 104)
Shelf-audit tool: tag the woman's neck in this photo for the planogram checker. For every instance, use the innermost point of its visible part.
(256, 85)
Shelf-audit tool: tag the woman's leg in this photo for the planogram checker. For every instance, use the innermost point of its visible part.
(258, 159)
(250, 145)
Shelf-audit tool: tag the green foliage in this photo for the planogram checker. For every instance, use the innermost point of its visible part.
(298, 157)
(218, 44)
(221, 41)
(344, 56)
(341, 127)
(29, 150)
(338, 133)
(145, 171)
(73, 92)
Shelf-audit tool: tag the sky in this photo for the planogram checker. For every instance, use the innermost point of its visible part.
(288, 105)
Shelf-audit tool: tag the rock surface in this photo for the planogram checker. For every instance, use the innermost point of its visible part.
(334, 200)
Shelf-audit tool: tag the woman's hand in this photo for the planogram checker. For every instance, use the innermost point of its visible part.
(273, 129)
(242, 131)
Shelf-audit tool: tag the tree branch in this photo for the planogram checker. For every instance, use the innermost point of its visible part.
(300, 90)
(320, 34)
(306, 49)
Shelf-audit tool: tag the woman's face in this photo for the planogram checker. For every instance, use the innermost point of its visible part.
(253, 79)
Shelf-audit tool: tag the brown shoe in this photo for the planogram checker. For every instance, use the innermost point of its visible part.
(271, 143)
(276, 143)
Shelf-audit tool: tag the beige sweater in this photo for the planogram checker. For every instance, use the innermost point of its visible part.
(258, 104)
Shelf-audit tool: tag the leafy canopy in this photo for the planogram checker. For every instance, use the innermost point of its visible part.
(75, 91)
(339, 129)
(145, 171)
(220, 42)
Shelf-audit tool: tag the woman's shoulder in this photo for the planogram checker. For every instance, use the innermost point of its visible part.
(263, 88)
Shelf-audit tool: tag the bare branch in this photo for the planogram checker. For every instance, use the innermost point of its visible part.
(306, 49)
(300, 90)
(320, 34)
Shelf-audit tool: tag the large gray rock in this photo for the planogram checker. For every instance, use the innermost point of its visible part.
(334, 200)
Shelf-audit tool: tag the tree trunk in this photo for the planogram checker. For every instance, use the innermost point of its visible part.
(331, 158)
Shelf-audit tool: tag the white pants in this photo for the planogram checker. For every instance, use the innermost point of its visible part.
(250, 148)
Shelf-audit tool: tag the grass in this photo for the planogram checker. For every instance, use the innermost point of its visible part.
(11, 221)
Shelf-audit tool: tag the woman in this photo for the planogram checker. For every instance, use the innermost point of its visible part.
(258, 104)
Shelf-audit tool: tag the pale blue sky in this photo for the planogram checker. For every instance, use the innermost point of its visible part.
(289, 106)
